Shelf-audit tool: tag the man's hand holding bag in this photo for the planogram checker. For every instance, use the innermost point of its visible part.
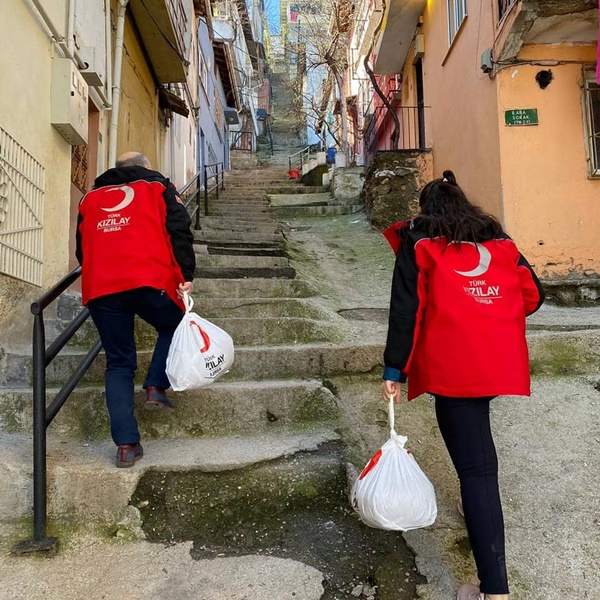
(200, 351)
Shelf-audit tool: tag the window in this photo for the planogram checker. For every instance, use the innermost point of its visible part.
(592, 106)
(457, 11)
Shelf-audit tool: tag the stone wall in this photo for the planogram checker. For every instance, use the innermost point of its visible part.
(347, 184)
(393, 181)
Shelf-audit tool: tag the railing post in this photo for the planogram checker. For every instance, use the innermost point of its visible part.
(217, 186)
(198, 187)
(39, 428)
(205, 192)
(39, 542)
(222, 177)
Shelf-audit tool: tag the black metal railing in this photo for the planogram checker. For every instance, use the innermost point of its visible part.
(213, 173)
(44, 414)
(504, 7)
(411, 135)
(241, 140)
(199, 187)
(192, 192)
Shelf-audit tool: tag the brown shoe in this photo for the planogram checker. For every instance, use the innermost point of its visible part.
(156, 399)
(128, 455)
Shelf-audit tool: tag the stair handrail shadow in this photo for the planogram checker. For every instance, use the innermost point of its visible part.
(43, 414)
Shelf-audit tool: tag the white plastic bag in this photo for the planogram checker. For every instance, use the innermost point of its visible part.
(392, 492)
(200, 352)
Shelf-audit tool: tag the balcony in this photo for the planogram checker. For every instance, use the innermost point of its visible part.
(402, 17)
(165, 29)
(544, 22)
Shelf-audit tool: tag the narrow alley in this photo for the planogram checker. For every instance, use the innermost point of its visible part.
(295, 133)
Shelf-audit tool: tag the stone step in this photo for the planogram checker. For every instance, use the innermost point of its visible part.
(237, 261)
(214, 236)
(251, 363)
(287, 200)
(238, 208)
(274, 250)
(245, 273)
(260, 308)
(224, 408)
(331, 210)
(237, 218)
(84, 485)
(297, 189)
(551, 353)
(252, 331)
(229, 224)
(197, 505)
(242, 212)
(253, 288)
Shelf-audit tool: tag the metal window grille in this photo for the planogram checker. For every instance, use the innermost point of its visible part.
(592, 101)
(21, 212)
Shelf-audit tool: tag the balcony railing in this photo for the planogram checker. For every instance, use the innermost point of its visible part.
(504, 7)
(411, 135)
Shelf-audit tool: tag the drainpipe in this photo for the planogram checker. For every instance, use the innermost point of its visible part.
(108, 44)
(71, 27)
(116, 88)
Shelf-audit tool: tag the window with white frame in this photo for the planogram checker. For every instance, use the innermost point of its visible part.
(592, 107)
(457, 11)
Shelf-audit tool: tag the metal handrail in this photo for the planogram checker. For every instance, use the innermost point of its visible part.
(303, 157)
(43, 415)
(195, 197)
(219, 171)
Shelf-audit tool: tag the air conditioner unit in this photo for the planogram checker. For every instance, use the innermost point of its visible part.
(419, 45)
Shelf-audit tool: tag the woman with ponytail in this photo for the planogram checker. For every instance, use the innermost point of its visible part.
(460, 293)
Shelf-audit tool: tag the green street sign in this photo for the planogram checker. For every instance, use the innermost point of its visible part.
(521, 116)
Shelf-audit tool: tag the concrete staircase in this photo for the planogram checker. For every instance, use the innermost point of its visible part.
(272, 404)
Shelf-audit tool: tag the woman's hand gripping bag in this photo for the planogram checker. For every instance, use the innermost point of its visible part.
(392, 492)
(200, 352)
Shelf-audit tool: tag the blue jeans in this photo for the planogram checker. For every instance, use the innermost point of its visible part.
(465, 426)
(113, 316)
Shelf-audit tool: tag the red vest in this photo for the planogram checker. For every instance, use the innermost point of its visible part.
(470, 331)
(125, 242)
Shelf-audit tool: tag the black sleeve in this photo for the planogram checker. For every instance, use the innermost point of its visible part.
(178, 227)
(533, 293)
(78, 244)
(404, 307)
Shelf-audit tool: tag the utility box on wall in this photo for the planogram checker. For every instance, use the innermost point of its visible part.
(69, 105)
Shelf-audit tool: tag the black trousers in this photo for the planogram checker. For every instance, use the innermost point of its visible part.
(465, 426)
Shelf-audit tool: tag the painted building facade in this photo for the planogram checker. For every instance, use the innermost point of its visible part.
(509, 102)
(82, 82)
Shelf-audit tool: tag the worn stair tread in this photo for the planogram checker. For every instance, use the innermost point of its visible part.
(218, 385)
(213, 454)
(245, 273)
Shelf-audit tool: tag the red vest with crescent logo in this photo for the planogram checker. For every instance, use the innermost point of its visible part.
(125, 242)
(457, 316)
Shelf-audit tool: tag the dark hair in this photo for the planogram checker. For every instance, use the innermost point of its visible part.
(446, 212)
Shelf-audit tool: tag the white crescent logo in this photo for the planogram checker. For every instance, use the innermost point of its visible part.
(484, 262)
(129, 194)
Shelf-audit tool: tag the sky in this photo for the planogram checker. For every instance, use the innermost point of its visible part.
(272, 9)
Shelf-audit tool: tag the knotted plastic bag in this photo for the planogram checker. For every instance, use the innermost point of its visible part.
(392, 492)
(200, 352)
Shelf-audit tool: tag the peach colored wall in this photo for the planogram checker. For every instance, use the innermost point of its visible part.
(551, 207)
(462, 123)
